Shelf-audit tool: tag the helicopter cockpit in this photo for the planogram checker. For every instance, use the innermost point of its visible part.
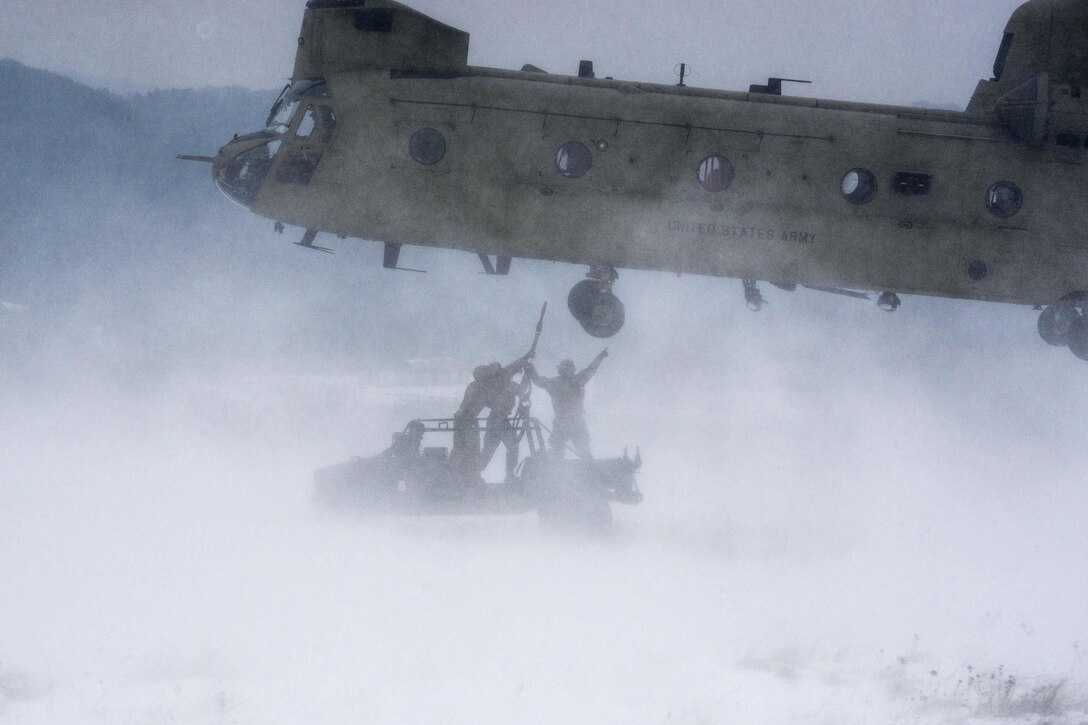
(302, 119)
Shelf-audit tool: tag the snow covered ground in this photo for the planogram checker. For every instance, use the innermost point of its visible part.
(863, 547)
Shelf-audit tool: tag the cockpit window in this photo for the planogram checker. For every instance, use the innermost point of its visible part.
(317, 124)
(241, 178)
(283, 110)
(281, 116)
(308, 124)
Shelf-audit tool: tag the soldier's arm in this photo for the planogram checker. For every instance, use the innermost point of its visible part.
(588, 373)
(547, 383)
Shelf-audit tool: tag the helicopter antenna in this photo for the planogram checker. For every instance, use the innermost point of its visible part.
(683, 70)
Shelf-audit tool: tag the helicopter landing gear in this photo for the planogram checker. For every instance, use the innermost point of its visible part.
(1078, 337)
(1056, 321)
(889, 302)
(1063, 324)
(598, 311)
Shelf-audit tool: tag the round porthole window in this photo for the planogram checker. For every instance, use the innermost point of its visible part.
(1004, 199)
(427, 146)
(716, 173)
(859, 186)
(573, 159)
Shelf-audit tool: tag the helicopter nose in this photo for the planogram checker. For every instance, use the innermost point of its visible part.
(241, 166)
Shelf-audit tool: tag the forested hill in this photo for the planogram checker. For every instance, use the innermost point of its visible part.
(58, 135)
(84, 173)
(115, 248)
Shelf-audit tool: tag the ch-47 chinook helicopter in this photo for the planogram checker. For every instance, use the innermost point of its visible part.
(386, 133)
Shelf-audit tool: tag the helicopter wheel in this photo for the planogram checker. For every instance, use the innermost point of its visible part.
(1077, 338)
(1056, 323)
(600, 312)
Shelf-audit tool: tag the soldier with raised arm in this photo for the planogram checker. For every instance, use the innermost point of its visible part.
(480, 394)
(568, 392)
(502, 394)
(493, 388)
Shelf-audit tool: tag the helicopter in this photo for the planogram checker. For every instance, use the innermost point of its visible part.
(385, 133)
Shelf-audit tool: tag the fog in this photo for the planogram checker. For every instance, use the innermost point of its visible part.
(850, 516)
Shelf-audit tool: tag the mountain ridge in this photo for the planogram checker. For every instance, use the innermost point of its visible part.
(105, 235)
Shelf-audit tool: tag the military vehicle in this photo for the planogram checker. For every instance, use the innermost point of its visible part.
(413, 478)
(386, 133)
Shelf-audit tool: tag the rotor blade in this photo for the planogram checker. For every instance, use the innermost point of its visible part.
(201, 159)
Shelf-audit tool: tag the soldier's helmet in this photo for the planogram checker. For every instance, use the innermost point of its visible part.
(566, 367)
(481, 373)
(416, 428)
(494, 369)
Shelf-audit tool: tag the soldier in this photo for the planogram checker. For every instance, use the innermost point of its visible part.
(502, 394)
(466, 438)
(406, 445)
(568, 392)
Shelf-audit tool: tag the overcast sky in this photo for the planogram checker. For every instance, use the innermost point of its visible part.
(879, 51)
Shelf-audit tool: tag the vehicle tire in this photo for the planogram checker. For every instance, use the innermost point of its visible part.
(1055, 323)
